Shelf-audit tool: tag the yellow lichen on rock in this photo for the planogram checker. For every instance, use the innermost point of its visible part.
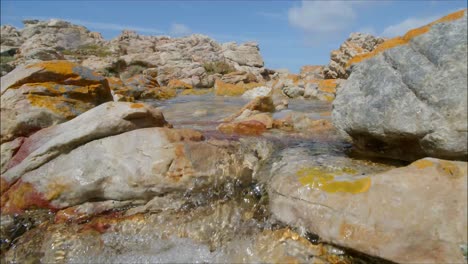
(423, 163)
(227, 89)
(328, 85)
(196, 91)
(324, 179)
(58, 104)
(178, 84)
(61, 67)
(397, 41)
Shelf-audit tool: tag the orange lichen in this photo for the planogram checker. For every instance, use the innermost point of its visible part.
(62, 67)
(249, 127)
(423, 163)
(227, 89)
(178, 84)
(115, 83)
(68, 108)
(397, 41)
(137, 105)
(294, 77)
(196, 91)
(328, 86)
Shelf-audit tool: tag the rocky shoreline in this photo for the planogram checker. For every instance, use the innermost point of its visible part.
(158, 149)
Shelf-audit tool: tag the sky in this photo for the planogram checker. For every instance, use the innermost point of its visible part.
(290, 33)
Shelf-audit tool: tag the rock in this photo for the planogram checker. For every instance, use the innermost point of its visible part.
(293, 91)
(244, 127)
(258, 104)
(312, 72)
(42, 54)
(157, 161)
(177, 84)
(357, 43)
(56, 34)
(256, 92)
(400, 215)
(105, 120)
(8, 149)
(246, 54)
(135, 86)
(238, 76)
(406, 100)
(46, 93)
(11, 38)
(226, 89)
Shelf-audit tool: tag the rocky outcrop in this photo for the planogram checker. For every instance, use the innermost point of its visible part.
(42, 94)
(186, 59)
(400, 215)
(407, 99)
(357, 43)
(57, 34)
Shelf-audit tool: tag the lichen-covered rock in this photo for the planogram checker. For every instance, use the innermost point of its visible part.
(41, 94)
(407, 99)
(357, 43)
(105, 120)
(226, 89)
(413, 214)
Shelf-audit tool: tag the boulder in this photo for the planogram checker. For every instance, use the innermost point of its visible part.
(246, 54)
(399, 215)
(407, 99)
(158, 161)
(256, 92)
(42, 94)
(105, 120)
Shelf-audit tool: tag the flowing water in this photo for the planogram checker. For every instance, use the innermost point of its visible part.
(227, 223)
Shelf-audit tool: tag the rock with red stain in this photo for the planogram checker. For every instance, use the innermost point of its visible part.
(42, 94)
(105, 120)
(134, 165)
(248, 127)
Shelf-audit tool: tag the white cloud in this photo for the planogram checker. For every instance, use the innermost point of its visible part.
(179, 29)
(407, 24)
(322, 16)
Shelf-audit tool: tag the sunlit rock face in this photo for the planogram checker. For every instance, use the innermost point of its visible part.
(399, 214)
(407, 99)
(42, 94)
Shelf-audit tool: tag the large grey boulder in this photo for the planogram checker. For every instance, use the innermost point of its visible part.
(409, 101)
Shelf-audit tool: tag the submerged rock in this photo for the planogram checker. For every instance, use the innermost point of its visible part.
(400, 215)
(407, 99)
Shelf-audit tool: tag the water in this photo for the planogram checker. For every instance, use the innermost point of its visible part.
(227, 223)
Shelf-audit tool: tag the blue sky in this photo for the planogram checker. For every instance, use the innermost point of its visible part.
(290, 33)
